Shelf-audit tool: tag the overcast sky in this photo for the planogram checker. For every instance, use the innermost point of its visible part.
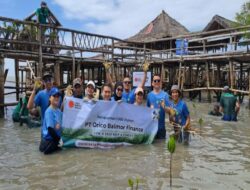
(124, 18)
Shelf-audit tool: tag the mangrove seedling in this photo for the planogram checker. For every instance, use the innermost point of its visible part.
(171, 149)
(200, 123)
(131, 183)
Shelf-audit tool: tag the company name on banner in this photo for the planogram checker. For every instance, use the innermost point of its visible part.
(107, 122)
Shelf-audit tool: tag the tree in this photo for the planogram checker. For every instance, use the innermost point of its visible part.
(243, 17)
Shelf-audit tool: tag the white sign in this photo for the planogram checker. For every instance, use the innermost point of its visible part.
(138, 77)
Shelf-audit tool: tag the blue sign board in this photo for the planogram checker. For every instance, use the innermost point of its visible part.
(181, 46)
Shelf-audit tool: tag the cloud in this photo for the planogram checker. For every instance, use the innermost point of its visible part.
(124, 18)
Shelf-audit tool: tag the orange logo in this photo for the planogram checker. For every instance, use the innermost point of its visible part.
(71, 104)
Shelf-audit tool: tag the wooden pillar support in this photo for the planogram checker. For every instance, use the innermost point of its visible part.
(179, 74)
(40, 64)
(208, 81)
(1, 86)
(231, 74)
(57, 73)
(249, 88)
(17, 79)
(73, 57)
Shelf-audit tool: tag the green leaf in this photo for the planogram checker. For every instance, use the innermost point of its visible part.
(130, 183)
(194, 106)
(201, 121)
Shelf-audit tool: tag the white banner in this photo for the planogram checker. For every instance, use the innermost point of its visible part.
(105, 124)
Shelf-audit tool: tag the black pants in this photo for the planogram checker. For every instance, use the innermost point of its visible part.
(48, 146)
(161, 133)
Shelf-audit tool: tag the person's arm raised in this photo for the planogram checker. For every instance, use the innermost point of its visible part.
(145, 69)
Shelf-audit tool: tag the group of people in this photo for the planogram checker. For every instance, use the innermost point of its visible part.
(50, 101)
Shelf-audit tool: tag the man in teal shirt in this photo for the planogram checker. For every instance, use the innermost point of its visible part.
(42, 13)
(229, 105)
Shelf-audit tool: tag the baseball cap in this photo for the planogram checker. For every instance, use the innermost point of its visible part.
(54, 91)
(91, 83)
(77, 81)
(226, 88)
(47, 75)
(139, 89)
(43, 4)
(175, 87)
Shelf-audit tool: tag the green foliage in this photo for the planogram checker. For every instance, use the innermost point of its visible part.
(83, 134)
(53, 36)
(131, 183)
(201, 122)
(171, 144)
(243, 17)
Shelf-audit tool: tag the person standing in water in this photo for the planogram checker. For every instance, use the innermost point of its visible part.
(179, 115)
(158, 99)
(229, 105)
(52, 125)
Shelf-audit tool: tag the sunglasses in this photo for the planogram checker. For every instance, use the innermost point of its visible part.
(155, 81)
(47, 80)
(119, 89)
(77, 86)
(127, 82)
(56, 96)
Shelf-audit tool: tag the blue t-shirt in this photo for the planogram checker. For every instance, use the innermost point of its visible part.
(182, 112)
(155, 100)
(52, 117)
(42, 100)
(129, 97)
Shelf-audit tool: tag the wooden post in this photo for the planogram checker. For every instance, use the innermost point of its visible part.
(183, 77)
(218, 75)
(163, 75)
(241, 77)
(40, 65)
(78, 70)
(213, 76)
(144, 51)
(179, 74)
(17, 79)
(249, 88)
(231, 74)
(57, 73)
(73, 57)
(22, 89)
(208, 82)
(1, 86)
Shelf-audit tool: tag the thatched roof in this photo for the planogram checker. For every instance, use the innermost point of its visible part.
(52, 19)
(219, 22)
(162, 26)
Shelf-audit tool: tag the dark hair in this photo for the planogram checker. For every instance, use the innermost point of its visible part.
(156, 75)
(107, 85)
(119, 83)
